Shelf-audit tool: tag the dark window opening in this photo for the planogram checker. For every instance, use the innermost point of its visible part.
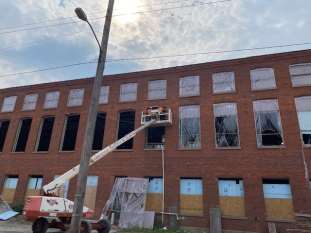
(45, 134)
(275, 181)
(155, 137)
(306, 137)
(226, 131)
(22, 135)
(99, 131)
(126, 125)
(4, 126)
(70, 134)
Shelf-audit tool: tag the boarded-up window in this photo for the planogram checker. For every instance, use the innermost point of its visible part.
(70, 132)
(303, 106)
(157, 89)
(9, 188)
(278, 199)
(128, 92)
(191, 197)
(189, 86)
(189, 127)
(126, 125)
(155, 194)
(45, 134)
(263, 79)
(22, 135)
(4, 126)
(154, 137)
(268, 123)
(300, 74)
(63, 191)
(75, 97)
(104, 95)
(99, 131)
(91, 191)
(231, 197)
(34, 186)
(51, 99)
(223, 82)
(8, 104)
(226, 125)
(30, 102)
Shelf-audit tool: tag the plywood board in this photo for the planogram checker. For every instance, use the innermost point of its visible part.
(232, 206)
(154, 202)
(191, 205)
(279, 208)
(32, 192)
(90, 197)
(8, 195)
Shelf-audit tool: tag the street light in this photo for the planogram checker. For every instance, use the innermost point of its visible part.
(82, 15)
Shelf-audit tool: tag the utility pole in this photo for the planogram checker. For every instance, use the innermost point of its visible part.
(90, 126)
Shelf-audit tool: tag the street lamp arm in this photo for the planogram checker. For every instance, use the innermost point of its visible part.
(100, 48)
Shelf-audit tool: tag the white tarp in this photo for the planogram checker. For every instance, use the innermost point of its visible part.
(6, 211)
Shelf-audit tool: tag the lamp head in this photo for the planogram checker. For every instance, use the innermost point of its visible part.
(81, 14)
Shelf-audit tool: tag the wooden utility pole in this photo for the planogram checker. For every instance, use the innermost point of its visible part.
(90, 126)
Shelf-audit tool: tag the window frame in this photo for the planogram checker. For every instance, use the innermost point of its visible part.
(12, 109)
(6, 133)
(118, 126)
(154, 81)
(46, 100)
(253, 86)
(214, 79)
(64, 132)
(181, 95)
(71, 98)
(17, 134)
(40, 132)
(290, 75)
(30, 106)
(297, 112)
(107, 88)
(122, 96)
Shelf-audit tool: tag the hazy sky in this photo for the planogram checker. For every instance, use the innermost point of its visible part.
(41, 34)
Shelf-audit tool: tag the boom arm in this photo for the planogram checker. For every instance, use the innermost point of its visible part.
(53, 186)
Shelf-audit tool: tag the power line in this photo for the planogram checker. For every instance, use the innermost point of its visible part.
(153, 58)
(116, 15)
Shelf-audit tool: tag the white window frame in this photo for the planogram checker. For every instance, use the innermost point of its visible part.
(186, 90)
(104, 95)
(227, 78)
(157, 89)
(51, 99)
(303, 107)
(258, 80)
(294, 76)
(126, 93)
(30, 102)
(75, 97)
(8, 104)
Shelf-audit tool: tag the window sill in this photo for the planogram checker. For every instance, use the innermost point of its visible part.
(153, 149)
(305, 85)
(280, 220)
(40, 152)
(307, 146)
(265, 89)
(185, 149)
(66, 151)
(224, 92)
(229, 148)
(189, 96)
(157, 99)
(234, 217)
(125, 102)
(19, 152)
(271, 147)
(123, 150)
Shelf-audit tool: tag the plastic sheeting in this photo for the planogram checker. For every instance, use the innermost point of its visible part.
(231, 188)
(189, 86)
(9, 104)
(51, 99)
(223, 82)
(303, 106)
(5, 211)
(104, 95)
(128, 199)
(75, 97)
(280, 191)
(30, 102)
(300, 74)
(128, 92)
(189, 126)
(262, 79)
(157, 89)
(191, 187)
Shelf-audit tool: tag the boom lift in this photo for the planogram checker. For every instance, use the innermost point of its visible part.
(50, 211)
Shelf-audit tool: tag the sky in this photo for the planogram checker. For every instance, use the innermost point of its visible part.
(145, 34)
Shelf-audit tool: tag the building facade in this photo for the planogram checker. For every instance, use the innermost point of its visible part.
(240, 139)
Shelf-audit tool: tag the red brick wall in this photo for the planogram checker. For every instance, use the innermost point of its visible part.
(248, 162)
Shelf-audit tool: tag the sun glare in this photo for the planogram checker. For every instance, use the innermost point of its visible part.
(124, 10)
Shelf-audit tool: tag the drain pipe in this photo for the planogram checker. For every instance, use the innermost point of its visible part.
(163, 180)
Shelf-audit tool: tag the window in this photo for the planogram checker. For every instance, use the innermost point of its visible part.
(51, 99)
(104, 95)
(231, 197)
(154, 137)
(99, 131)
(226, 125)
(34, 186)
(157, 89)
(30, 102)
(263, 79)
(45, 134)
(278, 199)
(303, 106)
(70, 132)
(223, 82)
(22, 135)
(189, 127)
(9, 104)
(9, 188)
(128, 92)
(191, 197)
(4, 126)
(189, 86)
(91, 191)
(75, 97)
(268, 123)
(155, 194)
(126, 125)
(300, 74)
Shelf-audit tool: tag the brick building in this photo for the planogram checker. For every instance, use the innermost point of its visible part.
(240, 138)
